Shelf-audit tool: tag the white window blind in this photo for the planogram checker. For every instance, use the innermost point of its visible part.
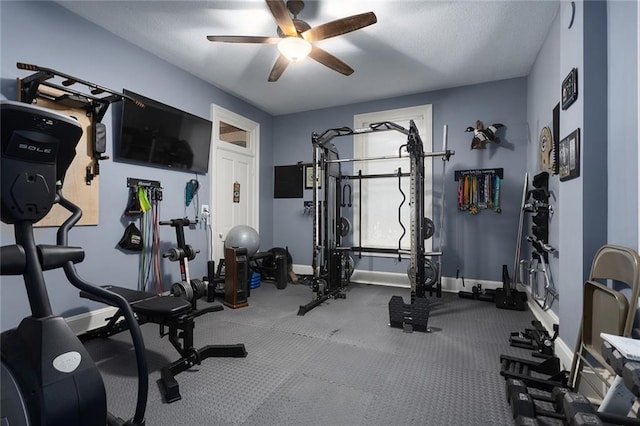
(381, 197)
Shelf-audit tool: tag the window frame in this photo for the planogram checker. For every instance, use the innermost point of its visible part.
(423, 118)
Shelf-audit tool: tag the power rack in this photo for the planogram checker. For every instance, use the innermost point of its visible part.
(332, 263)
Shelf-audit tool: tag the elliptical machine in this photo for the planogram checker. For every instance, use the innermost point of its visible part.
(48, 377)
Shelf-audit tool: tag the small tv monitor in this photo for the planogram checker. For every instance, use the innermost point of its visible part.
(163, 136)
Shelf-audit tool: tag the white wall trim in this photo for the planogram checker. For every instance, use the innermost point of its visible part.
(302, 269)
(86, 321)
(396, 279)
(548, 318)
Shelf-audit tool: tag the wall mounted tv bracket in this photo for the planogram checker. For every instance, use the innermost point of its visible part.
(94, 104)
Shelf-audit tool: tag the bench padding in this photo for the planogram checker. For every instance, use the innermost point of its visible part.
(145, 303)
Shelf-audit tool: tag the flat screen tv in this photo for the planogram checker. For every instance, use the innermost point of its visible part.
(163, 136)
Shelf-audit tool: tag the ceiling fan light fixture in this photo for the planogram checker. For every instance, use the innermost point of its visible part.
(294, 48)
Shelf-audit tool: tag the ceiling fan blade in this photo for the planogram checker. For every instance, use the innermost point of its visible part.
(283, 19)
(340, 26)
(278, 68)
(328, 60)
(244, 39)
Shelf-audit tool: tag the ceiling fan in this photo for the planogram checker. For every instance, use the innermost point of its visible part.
(296, 37)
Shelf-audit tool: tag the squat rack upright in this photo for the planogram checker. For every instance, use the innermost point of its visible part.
(332, 265)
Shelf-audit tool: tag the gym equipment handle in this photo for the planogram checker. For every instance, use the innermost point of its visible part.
(52, 257)
(185, 221)
(62, 237)
(14, 260)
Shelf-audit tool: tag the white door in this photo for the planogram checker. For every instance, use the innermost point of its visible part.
(235, 178)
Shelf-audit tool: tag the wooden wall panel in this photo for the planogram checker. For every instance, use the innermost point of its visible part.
(75, 189)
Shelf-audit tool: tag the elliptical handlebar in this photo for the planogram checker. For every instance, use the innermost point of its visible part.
(120, 302)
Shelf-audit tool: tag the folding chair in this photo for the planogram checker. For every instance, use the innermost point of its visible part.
(605, 310)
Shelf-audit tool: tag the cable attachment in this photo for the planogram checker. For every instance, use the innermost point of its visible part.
(190, 191)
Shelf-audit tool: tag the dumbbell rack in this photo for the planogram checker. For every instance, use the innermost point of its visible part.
(532, 406)
(537, 339)
(537, 202)
(188, 289)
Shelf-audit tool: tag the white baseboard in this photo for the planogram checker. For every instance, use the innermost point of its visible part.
(396, 279)
(548, 318)
(84, 322)
(302, 269)
(454, 285)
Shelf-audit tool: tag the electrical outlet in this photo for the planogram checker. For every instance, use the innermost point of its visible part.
(204, 210)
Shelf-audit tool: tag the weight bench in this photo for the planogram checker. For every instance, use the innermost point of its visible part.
(178, 315)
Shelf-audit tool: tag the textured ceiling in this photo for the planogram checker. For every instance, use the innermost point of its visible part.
(415, 46)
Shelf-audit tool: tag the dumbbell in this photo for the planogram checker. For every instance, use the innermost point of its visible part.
(578, 410)
(631, 376)
(174, 254)
(513, 386)
(189, 291)
(613, 357)
(526, 421)
(523, 405)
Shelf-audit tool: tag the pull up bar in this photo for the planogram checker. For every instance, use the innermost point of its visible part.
(328, 135)
(446, 154)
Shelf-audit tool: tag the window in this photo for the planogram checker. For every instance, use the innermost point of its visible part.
(233, 135)
(381, 197)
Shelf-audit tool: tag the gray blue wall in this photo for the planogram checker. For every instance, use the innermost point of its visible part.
(601, 206)
(622, 117)
(543, 94)
(477, 245)
(46, 34)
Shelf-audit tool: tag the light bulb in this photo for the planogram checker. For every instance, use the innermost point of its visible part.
(294, 48)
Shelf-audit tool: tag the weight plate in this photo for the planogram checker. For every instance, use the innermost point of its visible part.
(322, 285)
(199, 288)
(430, 272)
(428, 228)
(173, 254)
(350, 266)
(189, 252)
(345, 226)
(183, 290)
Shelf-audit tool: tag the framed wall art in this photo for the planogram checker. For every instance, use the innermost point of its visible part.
(570, 89)
(308, 174)
(569, 156)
